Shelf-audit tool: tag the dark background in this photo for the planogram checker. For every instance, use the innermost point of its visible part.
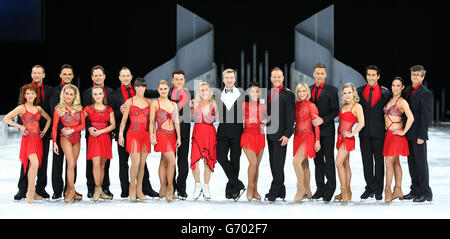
(393, 35)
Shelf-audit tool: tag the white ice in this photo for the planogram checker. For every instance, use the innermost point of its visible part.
(219, 207)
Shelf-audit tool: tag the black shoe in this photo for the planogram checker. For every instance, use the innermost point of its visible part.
(327, 196)
(282, 194)
(109, 193)
(238, 191)
(20, 195)
(90, 194)
(409, 196)
(423, 198)
(367, 194)
(229, 191)
(379, 197)
(151, 193)
(318, 194)
(270, 197)
(124, 194)
(182, 195)
(57, 196)
(43, 194)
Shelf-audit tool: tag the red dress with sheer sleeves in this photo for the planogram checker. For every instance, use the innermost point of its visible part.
(253, 135)
(99, 146)
(346, 122)
(204, 138)
(69, 120)
(32, 142)
(138, 134)
(304, 134)
(394, 145)
(166, 139)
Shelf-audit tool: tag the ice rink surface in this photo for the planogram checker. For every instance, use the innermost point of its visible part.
(219, 206)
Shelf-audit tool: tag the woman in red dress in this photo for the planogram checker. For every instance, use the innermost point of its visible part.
(350, 113)
(203, 138)
(167, 137)
(138, 136)
(395, 142)
(31, 145)
(70, 112)
(99, 149)
(253, 139)
(306, 141)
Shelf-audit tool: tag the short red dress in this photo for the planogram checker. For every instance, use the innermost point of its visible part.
(346, 122)
(204, 138)
(32, 142)
(253, 135)
(99, 146)
(166, 139)
(304, 134)
(394, 145)
(74, 121)
(138, 134)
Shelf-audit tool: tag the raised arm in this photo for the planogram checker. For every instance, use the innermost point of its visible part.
(46, 117)
(17, 111)
(314, 111)
(360, 116)
(404, 106)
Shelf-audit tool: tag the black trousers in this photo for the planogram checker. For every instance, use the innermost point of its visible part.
(418, 168)
(58, 184)
(325, 166)
(372, 158)
(90, 182)
(230, 167)
(277, 159)
(41, 182)
(182, 158)
(124, 171)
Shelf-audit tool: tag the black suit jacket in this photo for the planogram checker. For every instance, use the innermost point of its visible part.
(420, 104)
(45, 105)
(285, 101)
(328, 106)
(231, 124)
(374, 125)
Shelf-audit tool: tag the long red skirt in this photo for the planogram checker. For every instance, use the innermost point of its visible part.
(309, 141)
(30, 144)
(395, 145)
(99, 146)
(204, 145)
(141, 139)
(347, 143)
(166, 141)
(253, 139)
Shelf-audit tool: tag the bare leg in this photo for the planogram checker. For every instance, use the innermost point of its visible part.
(258, 162)
(252, 159)
(307, 178)
(196, 172)
(342, 172)
(397, 172)
(298, 167)
(96, 171)
(389, 161)
(32, 173)
(206, 173)
(140, 176)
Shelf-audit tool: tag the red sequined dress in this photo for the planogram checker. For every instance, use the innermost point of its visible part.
(394, 145)
(204, 138)
(166, 139)
(304, 134)
(138, 135)
(346, 122)
(69, 120)
(32, 142)
(99, 146)
(253, 135)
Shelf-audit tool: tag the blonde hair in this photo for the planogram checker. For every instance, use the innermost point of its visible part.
(197, 98)
(355, 96)
(229, 70)
(76, 104)
(163, 82)
(308, 90)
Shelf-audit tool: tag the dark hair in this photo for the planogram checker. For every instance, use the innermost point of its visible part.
(374, 68)
(418, 68)
(399, 79)
(31, 87)
(320, 65)
(97, 67)
(124, 68)
(38, 66)
(140, 82)
(253, 84)
(66, 66)
(178, 72)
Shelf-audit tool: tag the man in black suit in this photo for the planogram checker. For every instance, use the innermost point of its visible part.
(119, 96)
(281, 108)
(229, 133)
(182, 97)
(46, 93)
(420, 101)
(371, 137)
(66, 75)
(98, 76)
(325, 97)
